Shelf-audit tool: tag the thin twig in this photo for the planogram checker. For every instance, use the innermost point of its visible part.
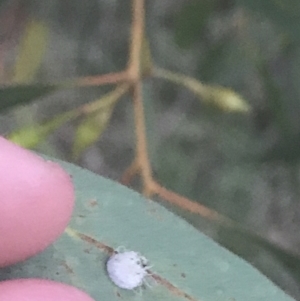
(188, 205)
(110, 78)
(87, 81)
(130, 172)
(141, 163)
(141, 150)
(137, 33)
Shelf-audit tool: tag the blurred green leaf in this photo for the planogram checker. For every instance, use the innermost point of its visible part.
(30, 137)
(22, 94)
(191, 21)
(99, 113)
(90, 129)
(187, 264)
(31, 52)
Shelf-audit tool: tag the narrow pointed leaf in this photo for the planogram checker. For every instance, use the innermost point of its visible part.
(30, 137)
(31, 52)
(90, 129)
(98, 116)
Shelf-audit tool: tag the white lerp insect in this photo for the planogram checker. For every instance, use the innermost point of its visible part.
(127, 269)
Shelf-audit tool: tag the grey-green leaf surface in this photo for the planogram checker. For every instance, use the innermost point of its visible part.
(187, 264)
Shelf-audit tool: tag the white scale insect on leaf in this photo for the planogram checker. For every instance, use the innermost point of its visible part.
(128, 269)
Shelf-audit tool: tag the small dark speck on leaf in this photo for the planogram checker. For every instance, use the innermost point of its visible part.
(93, 203)
(68, 268)
(183, 275)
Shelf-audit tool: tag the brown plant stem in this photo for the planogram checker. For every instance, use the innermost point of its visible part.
(87, 81)
(188, 205)
(141, 147)
(137, 34)
(130, 172)
(110, 78)
(141, 164)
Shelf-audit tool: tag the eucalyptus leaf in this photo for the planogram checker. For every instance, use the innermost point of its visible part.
(33, 135)
(99, 114)
(31, 52)
(187, 264)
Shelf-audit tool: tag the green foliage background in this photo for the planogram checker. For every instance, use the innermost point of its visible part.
(246, 167)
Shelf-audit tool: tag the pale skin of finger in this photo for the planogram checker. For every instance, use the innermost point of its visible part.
(36, 202)
(40, 290)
